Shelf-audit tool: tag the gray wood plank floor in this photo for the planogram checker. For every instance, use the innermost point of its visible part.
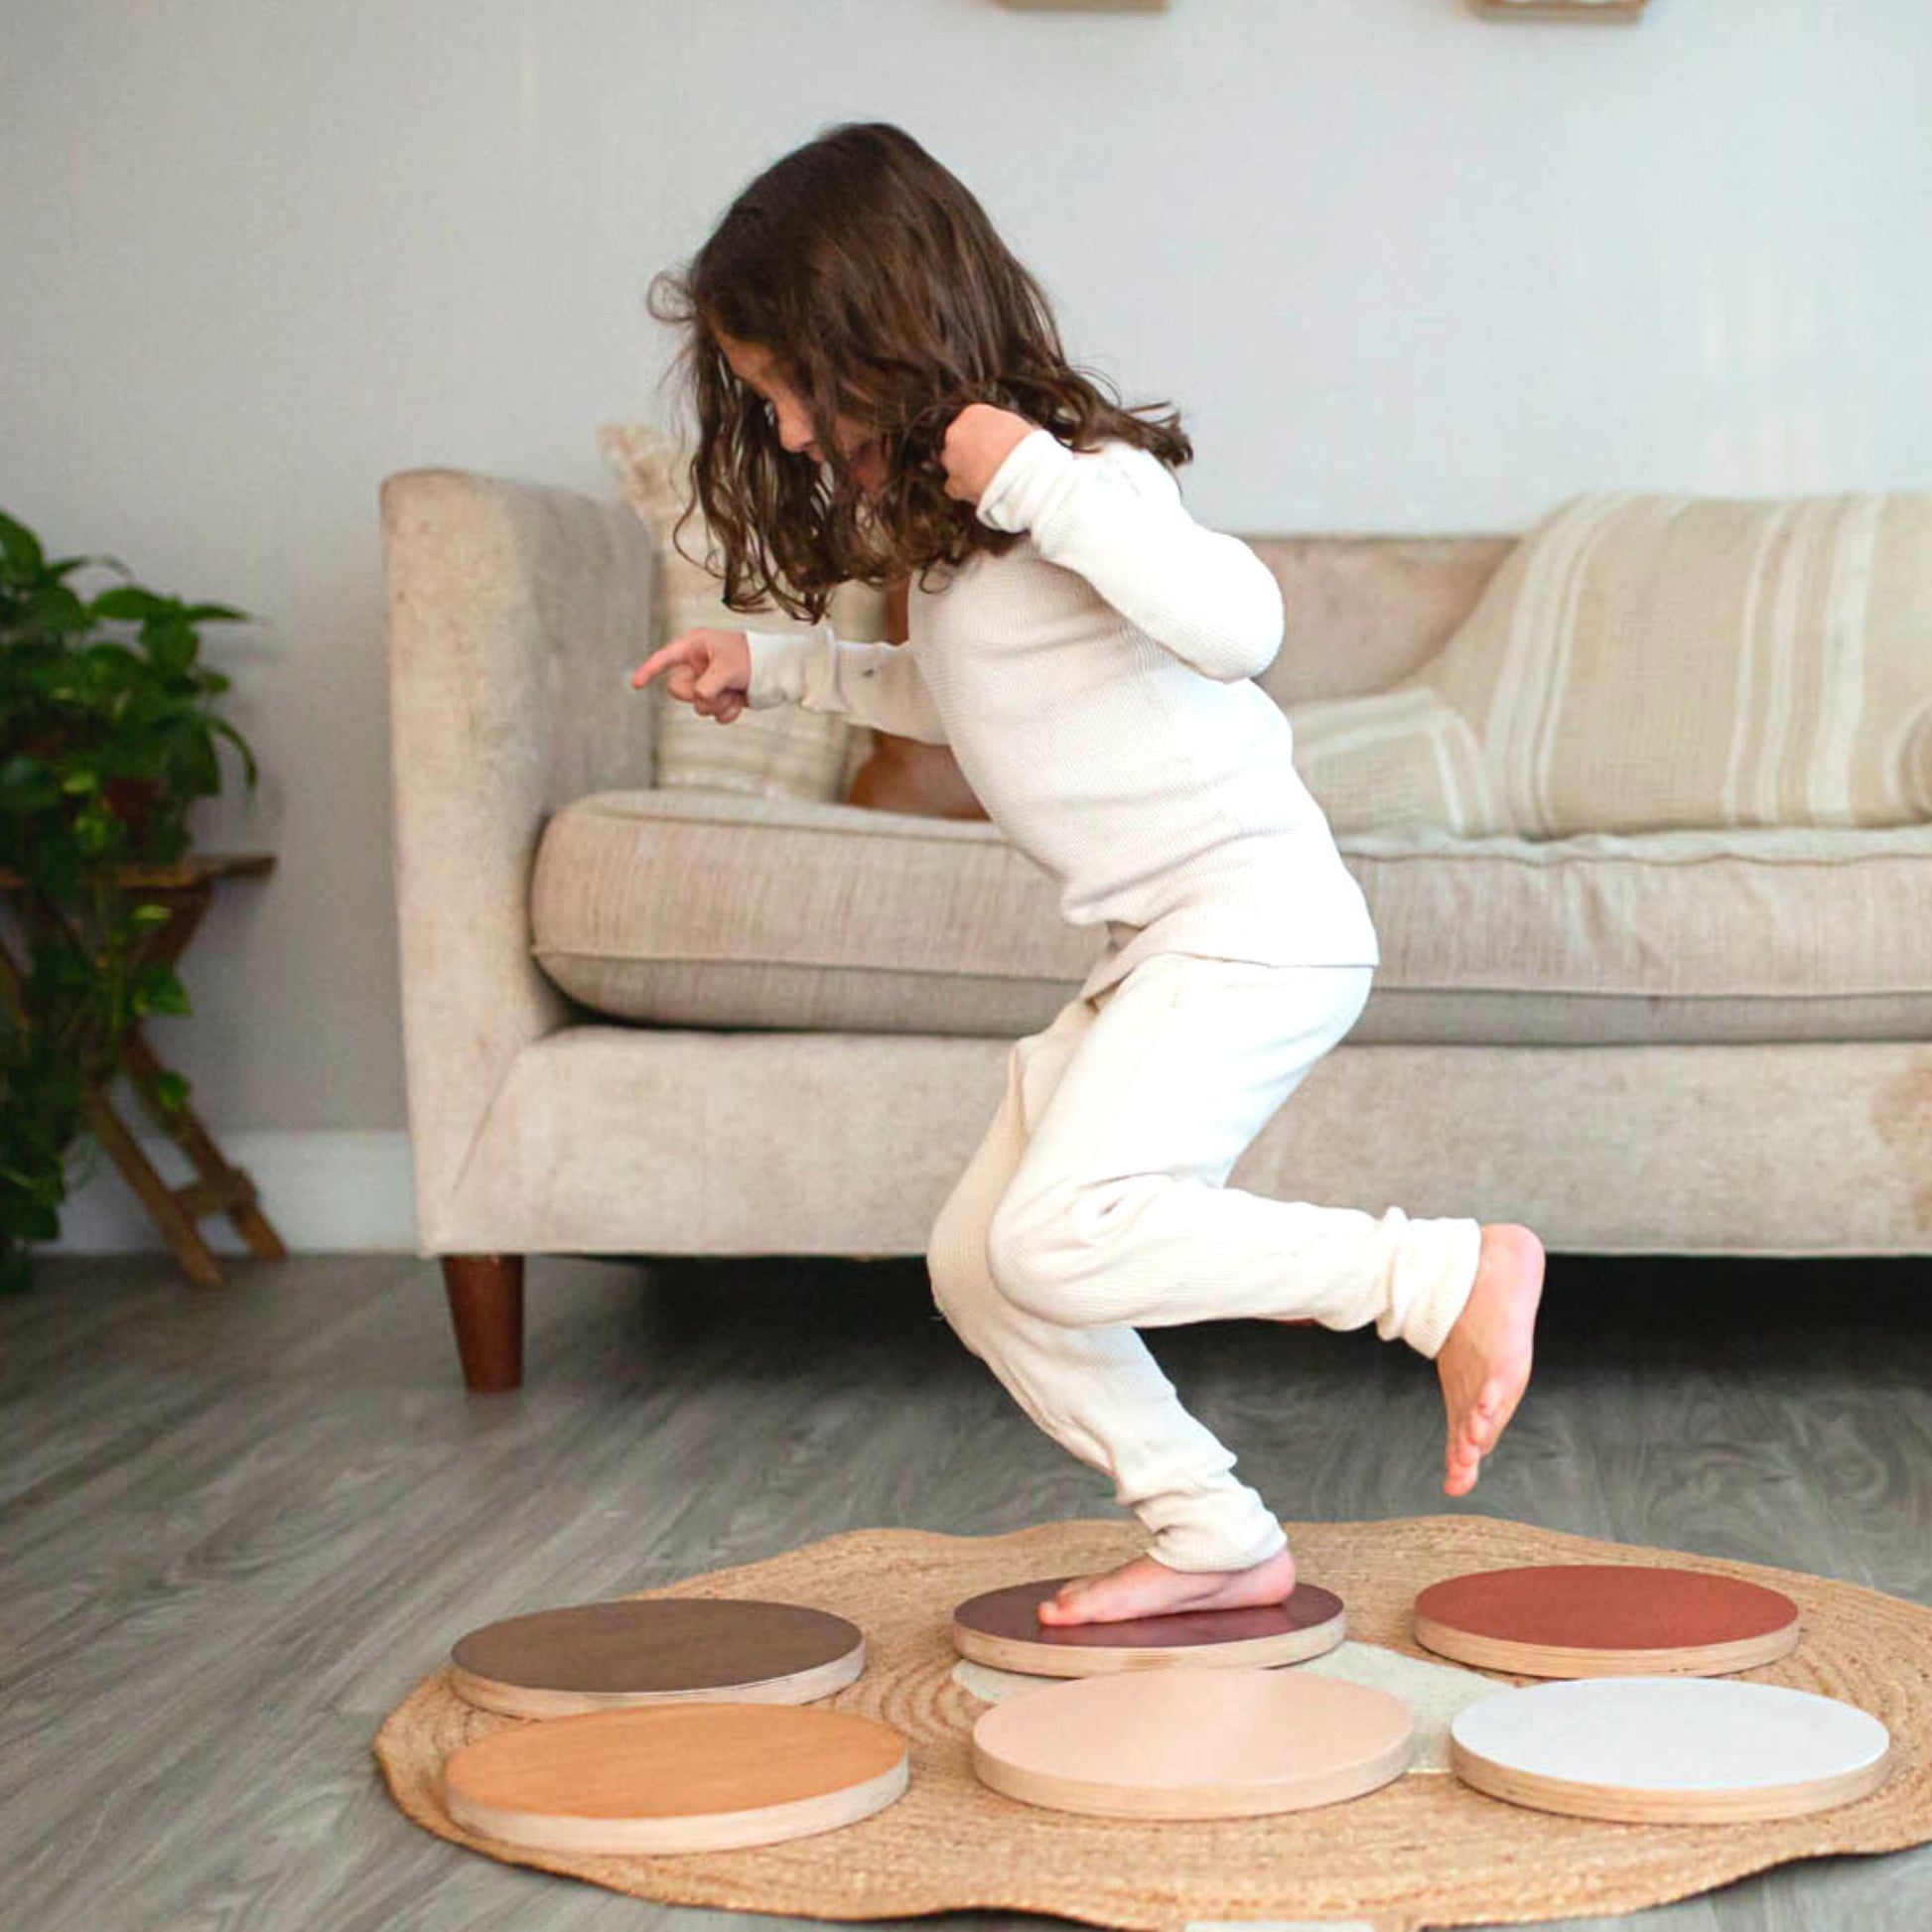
(235, 1527)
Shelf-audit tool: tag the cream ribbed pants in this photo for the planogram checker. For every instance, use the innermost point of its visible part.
(1095, 1206)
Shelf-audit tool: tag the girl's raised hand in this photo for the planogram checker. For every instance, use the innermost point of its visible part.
(978, 440)
(710, 670)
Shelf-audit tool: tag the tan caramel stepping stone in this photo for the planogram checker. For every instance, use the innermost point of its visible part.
(655, 1650)
(1193, 1743)
(700, 1777)
(1002, 1628)
(1670, 1751)
(1590, 1619)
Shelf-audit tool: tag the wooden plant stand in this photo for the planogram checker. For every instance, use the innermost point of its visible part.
(220, 1188)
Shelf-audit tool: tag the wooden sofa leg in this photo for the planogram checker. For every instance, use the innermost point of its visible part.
(487, 1305)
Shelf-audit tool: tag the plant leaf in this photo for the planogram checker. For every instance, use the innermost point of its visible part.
(240, 744)
(171, 646)
(21, 556)
(132, 602)
(170, 1093)
(156, 989)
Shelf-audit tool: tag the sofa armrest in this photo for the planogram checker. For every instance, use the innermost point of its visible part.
(514, 614)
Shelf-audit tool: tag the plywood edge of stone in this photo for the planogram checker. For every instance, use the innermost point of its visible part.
(1052, 1792)
(528, 1701)
(721, 1831)
(1628, 1805)
(1555, 1661)
(1099, 1660)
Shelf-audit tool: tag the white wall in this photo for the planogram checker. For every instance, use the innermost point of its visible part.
(1403, 267)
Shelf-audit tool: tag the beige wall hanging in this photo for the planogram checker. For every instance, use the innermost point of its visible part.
(1559, 9)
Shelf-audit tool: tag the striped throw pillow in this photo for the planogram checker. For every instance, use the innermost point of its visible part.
(1642, 663)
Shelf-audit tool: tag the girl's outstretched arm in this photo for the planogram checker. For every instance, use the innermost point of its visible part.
(871, 684)
(1115, 515)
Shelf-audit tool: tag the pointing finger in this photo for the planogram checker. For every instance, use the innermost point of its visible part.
(675, 653)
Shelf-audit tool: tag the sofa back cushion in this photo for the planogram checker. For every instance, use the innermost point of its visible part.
(1644, 662)
(1364, 611)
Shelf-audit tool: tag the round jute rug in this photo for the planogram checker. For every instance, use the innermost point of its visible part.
(1425, 1851)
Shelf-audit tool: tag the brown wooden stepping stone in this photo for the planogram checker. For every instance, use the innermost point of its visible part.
(1002, 1629)
(698, 1777)
(1193, 1743)
(1590, 1619)
(641, 1651)
(1670, 1751)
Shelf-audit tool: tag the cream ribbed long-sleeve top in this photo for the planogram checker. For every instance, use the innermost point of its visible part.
(1095, 685)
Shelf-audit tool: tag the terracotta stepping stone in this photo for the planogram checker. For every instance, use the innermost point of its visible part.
(1605, 1620)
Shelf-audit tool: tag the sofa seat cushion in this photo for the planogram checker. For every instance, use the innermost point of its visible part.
(707, 910)
(693, 910)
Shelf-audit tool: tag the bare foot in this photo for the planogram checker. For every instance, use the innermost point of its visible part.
(1485, 1365)
(1145, 1587)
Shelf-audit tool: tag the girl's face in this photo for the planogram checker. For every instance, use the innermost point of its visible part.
(757, 366)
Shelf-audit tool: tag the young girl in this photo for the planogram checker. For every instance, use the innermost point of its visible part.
(881, 391)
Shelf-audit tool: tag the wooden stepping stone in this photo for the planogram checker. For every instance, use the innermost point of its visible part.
(655, 1650)
(704, 1777)
(1193, 1743)
(1001, 1629)
(1589, 1619)
(1670, 1751)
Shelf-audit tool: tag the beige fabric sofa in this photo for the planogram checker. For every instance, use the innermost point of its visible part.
(642, 1022)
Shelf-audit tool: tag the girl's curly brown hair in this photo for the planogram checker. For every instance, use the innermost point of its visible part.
(884, 293)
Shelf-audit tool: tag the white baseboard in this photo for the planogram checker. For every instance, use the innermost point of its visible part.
(323, 1193)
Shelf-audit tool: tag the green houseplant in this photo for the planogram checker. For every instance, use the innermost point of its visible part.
(108, 734)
